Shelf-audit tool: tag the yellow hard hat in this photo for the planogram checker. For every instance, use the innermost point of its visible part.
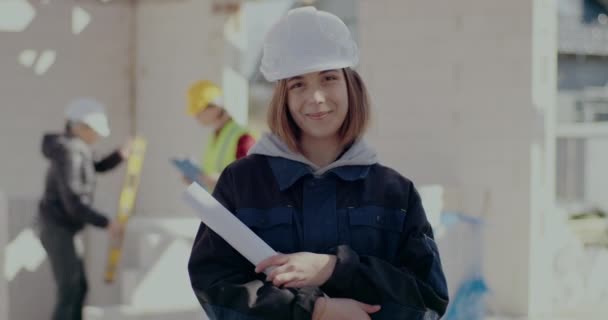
(201, 94)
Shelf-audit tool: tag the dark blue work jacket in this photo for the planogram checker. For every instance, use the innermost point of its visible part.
(370, 217)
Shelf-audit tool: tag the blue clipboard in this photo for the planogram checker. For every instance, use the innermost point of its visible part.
(188, 169)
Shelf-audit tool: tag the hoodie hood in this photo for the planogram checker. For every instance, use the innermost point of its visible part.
(359, 154)
(52, 144)
(55, 145)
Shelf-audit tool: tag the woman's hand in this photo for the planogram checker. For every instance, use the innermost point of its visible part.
(209, 180)
(126, 149)
(297, 270)
(115, 229)
(342, 309)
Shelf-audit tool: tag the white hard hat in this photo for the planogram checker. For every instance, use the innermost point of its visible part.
(307, 40)
(90, 112)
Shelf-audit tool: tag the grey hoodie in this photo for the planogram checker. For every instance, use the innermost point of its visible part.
(357, 155)
(70, 182)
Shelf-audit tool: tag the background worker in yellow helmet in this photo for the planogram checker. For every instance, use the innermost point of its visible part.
(229, 142)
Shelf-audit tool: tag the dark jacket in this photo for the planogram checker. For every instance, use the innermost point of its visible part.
(70, 182)
(369, 216)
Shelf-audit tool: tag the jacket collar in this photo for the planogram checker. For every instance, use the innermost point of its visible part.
(288, 172)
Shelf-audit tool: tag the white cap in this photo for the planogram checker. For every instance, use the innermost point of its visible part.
(90, 112)
(307, 40)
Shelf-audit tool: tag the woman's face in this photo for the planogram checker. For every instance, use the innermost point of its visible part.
(210, 116)
(84, 132)
(318, 103)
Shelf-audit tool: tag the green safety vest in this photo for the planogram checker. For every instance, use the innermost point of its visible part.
(221, 148)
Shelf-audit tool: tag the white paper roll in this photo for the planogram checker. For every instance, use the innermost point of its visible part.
(227, 225)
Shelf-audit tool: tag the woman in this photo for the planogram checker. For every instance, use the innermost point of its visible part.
(229, 140)
(354, 239)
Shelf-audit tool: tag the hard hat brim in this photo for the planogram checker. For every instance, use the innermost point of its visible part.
(99, 124)
(314, 68)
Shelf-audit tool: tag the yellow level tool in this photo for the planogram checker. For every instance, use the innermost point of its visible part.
(126, 204)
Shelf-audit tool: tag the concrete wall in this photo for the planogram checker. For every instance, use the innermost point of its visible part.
(452, 89)
(96, 62)
(4, 301)
(177, 43)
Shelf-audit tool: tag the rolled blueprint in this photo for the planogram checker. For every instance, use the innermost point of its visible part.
(228, 226)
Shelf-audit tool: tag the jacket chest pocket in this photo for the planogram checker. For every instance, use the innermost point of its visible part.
(275, 226)
(375, 231)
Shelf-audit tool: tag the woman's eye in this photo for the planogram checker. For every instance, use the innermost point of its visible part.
(296, 85)
(330, 78)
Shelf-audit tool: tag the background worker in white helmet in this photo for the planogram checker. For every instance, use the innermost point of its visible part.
(229, 140)
(66, 205)
(353, 237)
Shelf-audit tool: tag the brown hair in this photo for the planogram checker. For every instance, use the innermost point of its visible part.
(356, 122)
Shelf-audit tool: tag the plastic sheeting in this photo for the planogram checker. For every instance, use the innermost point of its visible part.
(461, 245)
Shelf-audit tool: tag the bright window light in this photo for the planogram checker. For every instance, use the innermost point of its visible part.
(25, 252)
(15, 15)
(46, 60)
(27, 58)
(80, 19)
